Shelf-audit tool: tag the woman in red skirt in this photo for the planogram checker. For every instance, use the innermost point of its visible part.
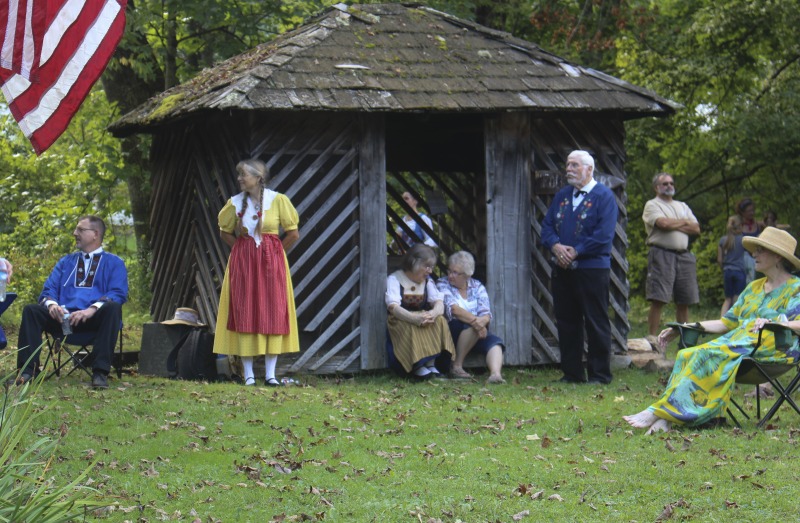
(256, 305)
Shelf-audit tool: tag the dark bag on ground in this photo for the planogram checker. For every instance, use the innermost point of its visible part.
(193, 357)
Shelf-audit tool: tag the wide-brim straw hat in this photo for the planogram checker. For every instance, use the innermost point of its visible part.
(185, 316)
(775, 240)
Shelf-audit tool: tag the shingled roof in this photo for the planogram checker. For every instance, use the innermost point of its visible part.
(395, 58)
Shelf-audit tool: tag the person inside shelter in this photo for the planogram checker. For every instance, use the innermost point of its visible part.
(91, 284)
(410, 221)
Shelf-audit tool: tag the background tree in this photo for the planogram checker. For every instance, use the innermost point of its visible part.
(732, 64)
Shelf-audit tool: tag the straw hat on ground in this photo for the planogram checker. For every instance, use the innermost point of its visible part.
(780, 242)
(185, 316)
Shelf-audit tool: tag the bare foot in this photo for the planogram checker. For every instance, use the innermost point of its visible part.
(661, 425)
(641, 420)
(495, 379)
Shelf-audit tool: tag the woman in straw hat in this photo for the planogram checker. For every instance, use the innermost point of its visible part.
(700, 385)
(256, 305)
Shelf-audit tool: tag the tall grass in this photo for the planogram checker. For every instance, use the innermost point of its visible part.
(29, 490)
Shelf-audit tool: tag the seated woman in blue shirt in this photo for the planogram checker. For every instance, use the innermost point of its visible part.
(466, 305)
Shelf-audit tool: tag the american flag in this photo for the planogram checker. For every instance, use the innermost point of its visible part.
(53, 51)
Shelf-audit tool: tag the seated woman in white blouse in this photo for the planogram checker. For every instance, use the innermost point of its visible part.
(466, 304)
(419, 339)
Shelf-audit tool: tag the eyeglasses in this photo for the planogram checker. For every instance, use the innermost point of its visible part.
(759, 250)
(453, 272)
(84, 229)
(574, 164)
(667, 183)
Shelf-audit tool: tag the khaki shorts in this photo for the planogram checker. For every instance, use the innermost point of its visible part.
(672, 276)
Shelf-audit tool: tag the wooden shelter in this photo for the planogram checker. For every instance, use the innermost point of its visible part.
(350, 110)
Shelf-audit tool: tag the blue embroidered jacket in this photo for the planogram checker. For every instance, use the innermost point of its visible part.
(108, 283)
(589, 228)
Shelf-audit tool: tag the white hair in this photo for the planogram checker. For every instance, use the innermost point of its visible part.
(585, 157)
(462, 260)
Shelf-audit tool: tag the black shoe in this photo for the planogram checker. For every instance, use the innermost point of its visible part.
(272, 382)
(99, 381)
(565, 379)
(22, 379)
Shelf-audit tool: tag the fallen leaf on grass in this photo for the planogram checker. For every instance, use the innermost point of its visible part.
(518, 516)
(555, 497)
(669, 509)
(619, 399)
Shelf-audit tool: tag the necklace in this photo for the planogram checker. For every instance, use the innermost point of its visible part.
(256, 206)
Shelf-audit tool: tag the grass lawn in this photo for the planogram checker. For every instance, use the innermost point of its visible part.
(376, 448)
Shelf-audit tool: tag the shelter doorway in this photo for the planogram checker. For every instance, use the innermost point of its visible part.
(439, 159)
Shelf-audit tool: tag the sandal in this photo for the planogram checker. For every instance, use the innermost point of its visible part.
(272, 382)
(459, 373)
(495, 380)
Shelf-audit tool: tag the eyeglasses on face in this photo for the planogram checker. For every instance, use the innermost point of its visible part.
(667, 183)
(453, 272)
(84, 229)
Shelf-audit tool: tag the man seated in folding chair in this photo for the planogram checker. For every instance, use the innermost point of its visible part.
(92, 285)
(699, 388)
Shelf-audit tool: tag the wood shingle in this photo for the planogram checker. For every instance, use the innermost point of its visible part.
(395, 57)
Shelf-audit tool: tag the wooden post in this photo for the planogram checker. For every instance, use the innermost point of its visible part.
(372, 218)
(508, 223)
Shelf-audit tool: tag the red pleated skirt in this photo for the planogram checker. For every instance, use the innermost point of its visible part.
(258, 299)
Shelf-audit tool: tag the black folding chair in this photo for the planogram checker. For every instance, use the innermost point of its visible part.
(753, 372)
(73, 349)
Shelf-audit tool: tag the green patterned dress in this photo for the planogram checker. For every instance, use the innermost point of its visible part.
(699, 388)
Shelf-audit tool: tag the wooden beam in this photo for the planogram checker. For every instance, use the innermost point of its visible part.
(508, 246)
(372, 239)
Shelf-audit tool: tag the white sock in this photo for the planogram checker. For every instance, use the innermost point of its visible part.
(270, 361)
(247, 366)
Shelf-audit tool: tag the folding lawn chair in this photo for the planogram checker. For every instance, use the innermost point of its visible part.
(753, 372)
(74, 349)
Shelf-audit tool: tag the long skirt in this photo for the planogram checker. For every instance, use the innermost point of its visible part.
(413, 343)
(256, 304)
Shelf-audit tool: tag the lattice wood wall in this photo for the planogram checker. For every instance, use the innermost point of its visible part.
(332, 167)
(552, 141)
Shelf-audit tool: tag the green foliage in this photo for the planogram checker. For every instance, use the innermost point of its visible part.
(29, 490)
(734, 65)
(80, 174)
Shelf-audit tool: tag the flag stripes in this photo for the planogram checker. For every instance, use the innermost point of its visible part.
(80, 38)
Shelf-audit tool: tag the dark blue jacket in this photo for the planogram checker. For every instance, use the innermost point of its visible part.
(589, 228)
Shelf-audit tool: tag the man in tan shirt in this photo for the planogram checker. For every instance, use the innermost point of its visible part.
(671, 268)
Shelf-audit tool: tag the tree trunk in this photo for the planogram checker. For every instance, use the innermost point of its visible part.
(128, 90)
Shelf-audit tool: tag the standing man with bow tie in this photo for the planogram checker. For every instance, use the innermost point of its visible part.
(92, 284)
(578, 230)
